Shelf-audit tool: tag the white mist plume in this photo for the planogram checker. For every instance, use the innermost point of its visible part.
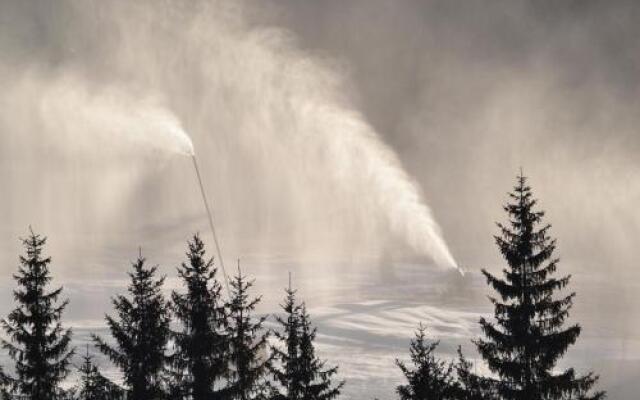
(110, 116)
(356, 156)
(292, 106)
(291, 159)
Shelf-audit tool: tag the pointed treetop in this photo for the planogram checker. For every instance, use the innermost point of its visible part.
(528, 336)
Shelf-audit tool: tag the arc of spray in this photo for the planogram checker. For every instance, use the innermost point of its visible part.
(211, 225)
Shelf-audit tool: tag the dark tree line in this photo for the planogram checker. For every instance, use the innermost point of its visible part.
(198, 345)
(217, 349)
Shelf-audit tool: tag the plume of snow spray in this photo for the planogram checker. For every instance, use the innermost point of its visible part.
(261, 101)
(118, 114)
(111, 115)
(358, 147)
(71, 106)
(290, 113)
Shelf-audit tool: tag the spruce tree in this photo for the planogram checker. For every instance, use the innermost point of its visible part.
(285, 371)
(248, 343)
(523, 345)
(37, 342)
(93, 385)
(428, 378)
(299, 372)
(315, 376)
(202, 344)
(469, 385)
(140, 332)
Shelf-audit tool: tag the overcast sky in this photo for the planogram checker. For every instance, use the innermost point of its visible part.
(469, 92)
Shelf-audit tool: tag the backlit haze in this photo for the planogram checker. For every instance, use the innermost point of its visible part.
(365, 146)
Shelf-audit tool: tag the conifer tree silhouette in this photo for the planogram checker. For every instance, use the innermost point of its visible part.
(202, 343)
(37, 342)
(469, 385)
(141, 333)
(528, 336)
(248, 343)
(315, 376)
(300, 373)
(93, 385)
(285, 371)
(428, 378)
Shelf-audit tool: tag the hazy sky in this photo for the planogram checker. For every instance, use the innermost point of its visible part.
(465, 93)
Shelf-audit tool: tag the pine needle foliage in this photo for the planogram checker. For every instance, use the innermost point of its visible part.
(285, 367)
(37, 342)
(248, 340)
(428, 378)
(93, 385)
(523, 345)
(315, 376)
(141, 332)
(300, 374)
(202, 343)
(471, 386)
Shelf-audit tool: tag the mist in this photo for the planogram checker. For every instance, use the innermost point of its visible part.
(332, 136)
(274, 127)
(473, 92)
(480, 90)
